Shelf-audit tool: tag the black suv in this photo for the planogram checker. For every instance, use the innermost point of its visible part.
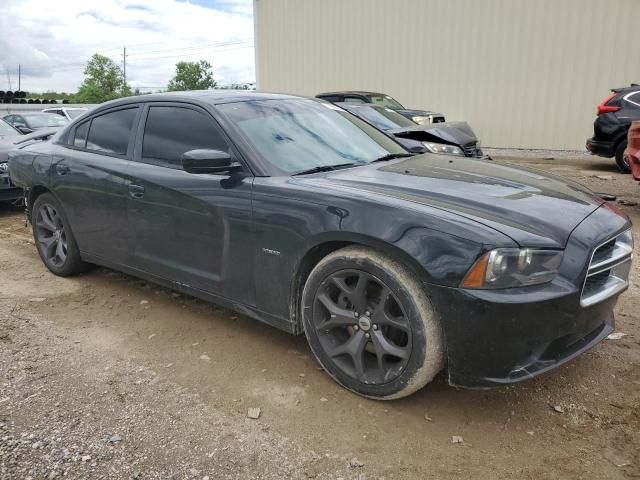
(615, 114)
(421, 117)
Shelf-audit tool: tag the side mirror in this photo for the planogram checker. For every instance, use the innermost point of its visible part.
(208, 161)
(418, 149)
(23, 129)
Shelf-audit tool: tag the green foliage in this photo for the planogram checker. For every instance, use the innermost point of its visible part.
(103, 81)
(192, 76)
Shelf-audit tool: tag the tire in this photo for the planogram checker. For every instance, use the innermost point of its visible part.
(370, 324)
(621, 161)
(54, 239)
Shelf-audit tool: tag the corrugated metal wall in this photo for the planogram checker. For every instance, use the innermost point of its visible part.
(523, 73)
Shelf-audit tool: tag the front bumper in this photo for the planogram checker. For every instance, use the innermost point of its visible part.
(498, 337)
(601, 148)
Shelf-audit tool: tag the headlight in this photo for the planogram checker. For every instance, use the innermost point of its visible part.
(443, 148)
(513, 267)
(4, 167)
(421, 119)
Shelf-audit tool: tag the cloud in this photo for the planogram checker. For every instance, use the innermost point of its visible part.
(53, 40)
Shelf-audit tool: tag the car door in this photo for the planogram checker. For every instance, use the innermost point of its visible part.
(89, 177)
(192, 229)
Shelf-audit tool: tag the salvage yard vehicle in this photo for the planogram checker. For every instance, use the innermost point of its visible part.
(293, 213)
(67, 112)
(10, 137)
(28, 122)
(421, 117)
(615, 114)
(453, 138)
(8, 191)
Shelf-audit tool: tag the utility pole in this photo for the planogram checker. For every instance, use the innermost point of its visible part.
(19, 76)
(124, 64)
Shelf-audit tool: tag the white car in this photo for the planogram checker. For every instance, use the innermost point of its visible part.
(68, 113)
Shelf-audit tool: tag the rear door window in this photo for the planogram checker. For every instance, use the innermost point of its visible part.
(171, 131)
(110, 133)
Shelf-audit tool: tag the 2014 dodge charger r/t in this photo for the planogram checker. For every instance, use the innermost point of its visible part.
(309, 219)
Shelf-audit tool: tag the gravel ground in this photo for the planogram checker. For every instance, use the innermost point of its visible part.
(104, 376)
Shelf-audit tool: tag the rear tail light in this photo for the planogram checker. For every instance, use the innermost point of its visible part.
(605, 108)
(633, 138)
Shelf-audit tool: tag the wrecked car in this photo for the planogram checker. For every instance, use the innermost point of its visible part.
(395, 266)
(453, 138)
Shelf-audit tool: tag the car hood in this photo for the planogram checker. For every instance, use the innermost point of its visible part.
(455, 133)
(533, 208)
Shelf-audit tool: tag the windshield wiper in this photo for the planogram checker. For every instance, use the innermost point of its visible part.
(326, 168)
(392, 156)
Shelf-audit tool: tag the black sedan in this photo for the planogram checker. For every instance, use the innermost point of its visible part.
(452, 138)
(300, 216)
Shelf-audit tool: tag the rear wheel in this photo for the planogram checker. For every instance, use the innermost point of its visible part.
(621, 160)
(370, 324)
(54, 240)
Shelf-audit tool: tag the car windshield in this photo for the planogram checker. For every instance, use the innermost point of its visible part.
(76, 112)
(6, 129)
(298, 135)
(382, 118)
(386, 101)
(45, 120)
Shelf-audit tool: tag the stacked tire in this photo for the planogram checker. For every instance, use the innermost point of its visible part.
(13, 97)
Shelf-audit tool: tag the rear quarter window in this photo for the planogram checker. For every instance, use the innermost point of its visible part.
(110, 133)
(80, 137)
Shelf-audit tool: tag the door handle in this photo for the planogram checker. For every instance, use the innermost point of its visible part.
(62, 169)
(136, 191)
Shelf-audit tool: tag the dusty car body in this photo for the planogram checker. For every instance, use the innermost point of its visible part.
(454, 138)
(314, 221)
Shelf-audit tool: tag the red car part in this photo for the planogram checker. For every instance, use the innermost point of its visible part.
(633, 149)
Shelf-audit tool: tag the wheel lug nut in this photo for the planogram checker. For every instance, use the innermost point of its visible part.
(355, 327)
(367, 335)
(375, 327)
(356, 314)
(367, 313)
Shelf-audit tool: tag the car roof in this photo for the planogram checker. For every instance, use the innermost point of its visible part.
(212, 97)
(353, 92)
(349, 105)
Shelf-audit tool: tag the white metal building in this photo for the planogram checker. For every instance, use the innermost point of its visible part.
(523, 73)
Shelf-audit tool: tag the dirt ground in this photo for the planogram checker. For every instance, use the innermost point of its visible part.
(106, 376)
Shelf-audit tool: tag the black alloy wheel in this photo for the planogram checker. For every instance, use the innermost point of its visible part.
(51, 235)
(362, 326)
(370, 324)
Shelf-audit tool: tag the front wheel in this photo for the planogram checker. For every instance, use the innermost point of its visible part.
(53, 237)
(370, 324)
(621, 160)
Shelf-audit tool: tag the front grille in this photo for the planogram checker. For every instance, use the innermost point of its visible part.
(608, 271)
(470, 149)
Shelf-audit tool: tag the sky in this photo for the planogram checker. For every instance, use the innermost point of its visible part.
(53, 40)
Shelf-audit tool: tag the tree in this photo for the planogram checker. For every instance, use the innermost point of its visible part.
(192, 76)
(103, 81)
